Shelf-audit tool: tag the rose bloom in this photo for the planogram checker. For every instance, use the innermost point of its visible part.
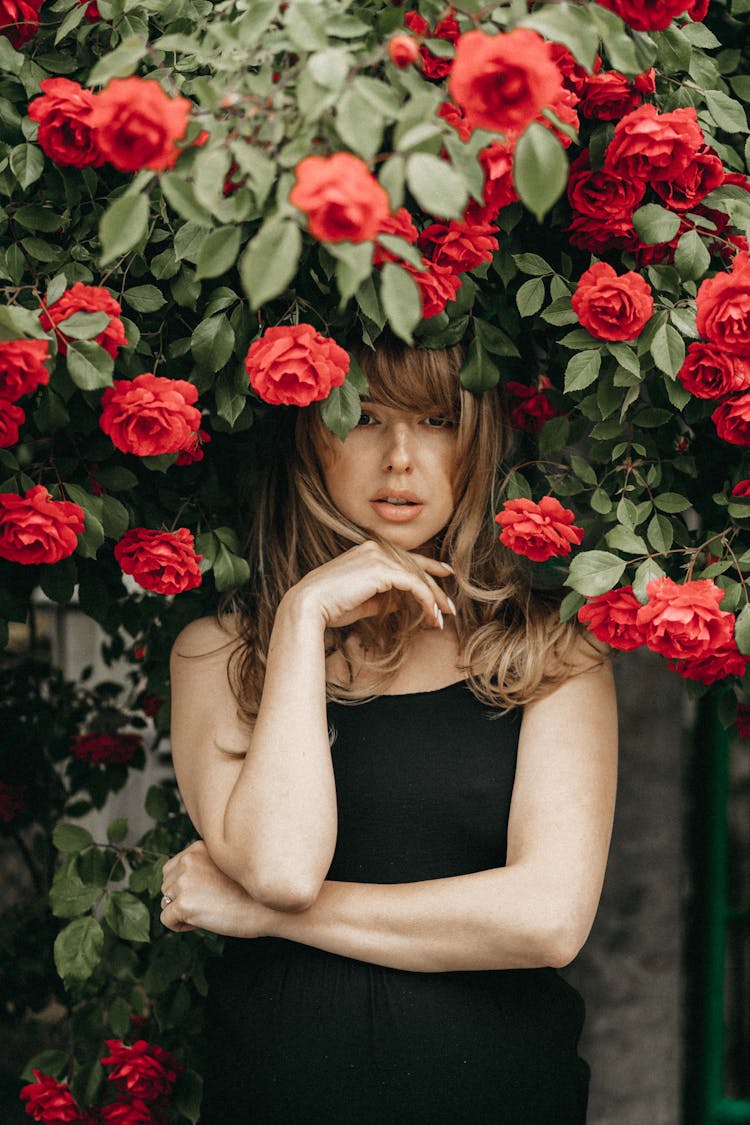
(727, 660)
(503, 82)
(732, 420)
(742, 488)
(704, 173)
(86, 298)
(538, 531)
(49, 1100)
(12, 801)
(138, 125)
(92, 14)
(19, 20)
(612, 307)
(402, 51)
(433, 66)
(22, 367)
(151, 705)
(459, 246)
(682, 621)
(499, 190)
(437, 286)
(194, 451)
(603, 203)
(37, 529)
(64, 116)
(102, 749)
(133, 1111)
(455, 118)
(400, 224)
(609, 96)
(150, 415)
(293, 365)
(651, 15)
(724, 307)
(529, 407)
(144, 1071)
(11, 417)
(612, 618)
(651, 146)
(574, 76)
(711, 372)
(162, 561)
(564, 106)
(743, 720)
(341, 198)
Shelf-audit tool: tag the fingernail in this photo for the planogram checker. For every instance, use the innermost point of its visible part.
(441, 623)
(453, 608)
(448, 567)
(436, 611)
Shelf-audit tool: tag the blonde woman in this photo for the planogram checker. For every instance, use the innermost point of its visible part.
(402, 770)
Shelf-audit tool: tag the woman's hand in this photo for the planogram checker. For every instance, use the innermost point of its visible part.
(355, 584)
(201, 897)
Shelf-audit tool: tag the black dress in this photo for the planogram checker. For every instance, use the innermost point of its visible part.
(299, 1036)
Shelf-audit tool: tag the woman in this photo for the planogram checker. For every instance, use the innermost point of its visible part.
(411, 869)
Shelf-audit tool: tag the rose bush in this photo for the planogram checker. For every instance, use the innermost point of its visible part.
(201, 207)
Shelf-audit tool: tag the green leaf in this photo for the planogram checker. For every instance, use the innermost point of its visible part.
(623, 540)
(120, 63)
(58, 580)
(569, 24)
(582, 370)
(742, 630)
(229, 569)
(78, 949)
(654, 223)
(51, 1062)
(71, 837)
(401, 300)
(660, 533)
(595, 572)
(84, 325)
(353, 266)
(122, 226)
(26, 164)
(188, 1094)
(479, 373)
(341, 409)
(89, 365)
(533, 264)
(672, 502)
(494, 339)
(117, 830)
(436, 186)
(530, 297)
(560, 312)
(691, 258)
(218, 252)
(212, 342)
(668, 349)
(145, 298)
(181, 198)
(270, 261)
(553, 435)
(69, 896)
(728, 114)
(359, 125)
(570, 605)
(540, 169)
(648, 571)
(127, 916)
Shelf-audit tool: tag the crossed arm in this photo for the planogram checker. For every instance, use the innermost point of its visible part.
(535, 911)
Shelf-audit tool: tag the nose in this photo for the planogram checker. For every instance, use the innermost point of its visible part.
(398, 453)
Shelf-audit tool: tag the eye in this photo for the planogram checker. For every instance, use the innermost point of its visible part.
(438, 423)
(365, 419)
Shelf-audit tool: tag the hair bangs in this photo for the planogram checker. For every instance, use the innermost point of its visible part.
(414, 379)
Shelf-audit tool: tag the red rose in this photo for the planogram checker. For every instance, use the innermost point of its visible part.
(432, 65)
(564, 106)
(145, 1070)
(86, 298)
(538, 531)
(400, 224)
(499, 190)
(138, 125)
(742, 488)
(710, 372)
(134, 1111)
(102, 749)
(459, 246)
(683, 621)
(609, 96)
(603, 204)
(64, 114)
(151, 705)
(12, 801)
(402, 51)
(726, 660)
(648, 15)
(37, 529)
(437, 286)
(503, 82)
(574, 76)
(743, 720)
(162, 561)
(612, 307)
(724, 307)
(294, 365)
(19, 20)
(455, 118)
(194, 451)
(22, 367)
(151, 415)
(92, 14)
(651, 146)
(11, 417)
(49, 1100)
(732, 420)
(529, 408)
(612, 618)
(341, 198)
(704, 173)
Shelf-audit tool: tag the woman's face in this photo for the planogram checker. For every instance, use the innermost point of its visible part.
(393, 474)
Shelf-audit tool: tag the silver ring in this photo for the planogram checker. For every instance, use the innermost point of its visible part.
(165, 900)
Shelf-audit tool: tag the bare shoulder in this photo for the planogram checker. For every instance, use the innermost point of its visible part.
(208, 639)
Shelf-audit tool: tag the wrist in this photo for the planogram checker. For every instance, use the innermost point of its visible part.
(299, 609)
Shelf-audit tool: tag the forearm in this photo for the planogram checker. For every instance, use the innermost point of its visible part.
(498, 919)
(280, 820)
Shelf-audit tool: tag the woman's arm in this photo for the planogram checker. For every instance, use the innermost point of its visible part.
(536, 911)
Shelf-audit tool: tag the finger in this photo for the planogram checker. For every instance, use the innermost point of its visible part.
(172, 921)
(420, 589)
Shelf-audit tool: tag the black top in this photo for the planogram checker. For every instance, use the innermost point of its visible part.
(299, 1036)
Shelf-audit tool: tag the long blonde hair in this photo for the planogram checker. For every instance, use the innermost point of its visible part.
(513, 645)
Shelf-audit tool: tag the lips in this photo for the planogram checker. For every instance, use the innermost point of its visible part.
(397, 494)
(409, 508)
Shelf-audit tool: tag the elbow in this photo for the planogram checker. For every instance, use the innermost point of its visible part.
(563, 942)
(283, 893)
